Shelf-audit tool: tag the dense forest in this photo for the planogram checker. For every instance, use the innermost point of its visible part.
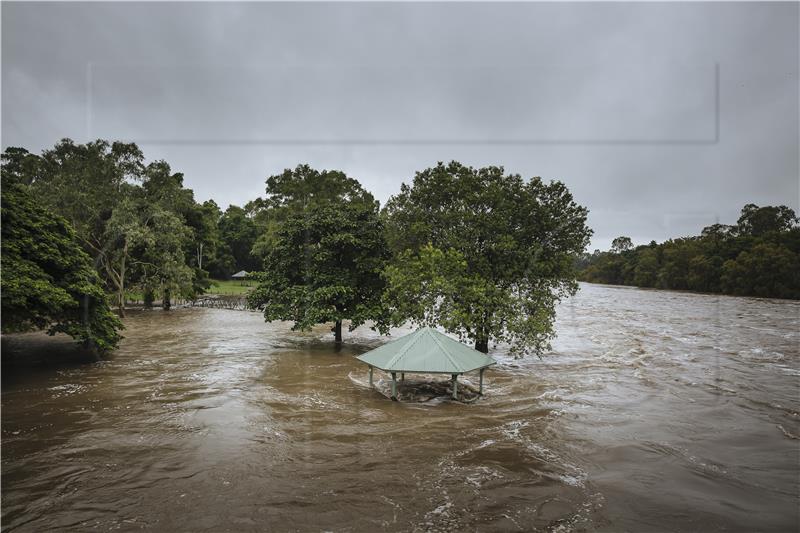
(484, 254)
(757, 256)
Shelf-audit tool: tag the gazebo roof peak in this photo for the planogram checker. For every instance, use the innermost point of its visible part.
(426, 351)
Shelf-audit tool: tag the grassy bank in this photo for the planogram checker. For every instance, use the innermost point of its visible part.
(230, 287)
(223, 287)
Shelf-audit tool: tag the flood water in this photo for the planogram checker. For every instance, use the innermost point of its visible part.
(655, 411)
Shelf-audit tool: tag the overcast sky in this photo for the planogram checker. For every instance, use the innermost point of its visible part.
(619, 101)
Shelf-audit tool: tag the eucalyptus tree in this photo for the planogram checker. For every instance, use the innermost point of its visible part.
(125, 213)
(180, 224)
(86, 184)
(204, 221)
(324, 258)
(160, 261)
(482, 253)
(621, 244)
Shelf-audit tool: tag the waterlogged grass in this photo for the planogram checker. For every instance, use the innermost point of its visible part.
(130, 296)
(223, 287)
(229, 287)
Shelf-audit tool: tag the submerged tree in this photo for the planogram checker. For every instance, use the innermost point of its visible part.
(484, 254)
(48, 281)
(324, 260)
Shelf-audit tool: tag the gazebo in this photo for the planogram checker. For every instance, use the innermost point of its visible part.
(426, 351)
(242, 274)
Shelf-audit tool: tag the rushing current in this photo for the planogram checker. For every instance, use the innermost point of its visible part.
(655, 411)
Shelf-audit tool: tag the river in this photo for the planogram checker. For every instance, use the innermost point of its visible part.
(655, 411)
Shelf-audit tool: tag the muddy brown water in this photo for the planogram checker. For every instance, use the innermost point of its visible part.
(655, 411)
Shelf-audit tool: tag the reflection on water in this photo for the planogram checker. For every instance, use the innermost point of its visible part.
(656, 410)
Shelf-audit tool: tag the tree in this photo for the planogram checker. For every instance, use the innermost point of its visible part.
(180, 228)
(19, 166)
(718, 231)
(48, 281)
(84, 182)
(757, 221)
(325, 260)
(507, 249)
(204, 221)
(302, 187)
(621, 244)
(295, 190)
(124, 231)
(96, 187)
(237, 235)
(434, 287)
(159, 261)
(767, 270)
(646, 270)
(164, 188)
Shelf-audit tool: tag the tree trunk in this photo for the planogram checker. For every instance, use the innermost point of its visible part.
(149, 297)
(121, 284)
(166, 303)
(121, 302)
(337, 331)
(482, 334)
(482, 343)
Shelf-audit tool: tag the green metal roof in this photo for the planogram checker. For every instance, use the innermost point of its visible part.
(426, 351)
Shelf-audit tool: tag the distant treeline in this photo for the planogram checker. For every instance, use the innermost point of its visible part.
(758, 256)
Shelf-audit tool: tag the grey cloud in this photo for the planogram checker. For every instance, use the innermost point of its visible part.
(435, 71)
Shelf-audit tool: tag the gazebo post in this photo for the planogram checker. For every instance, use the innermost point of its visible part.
(394, 385)
(455, 386)
(402, 376)
(481, 380)
(370, 376)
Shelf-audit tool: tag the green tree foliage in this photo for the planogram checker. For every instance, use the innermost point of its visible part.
(621, 244)
(19, 166)
(293, 191)
(204, 220)
(756, 257)
(48, 281)
(325, 258)
(766, 269)
(155, 237)
(238, 234)
(125, 213)
(758, 221)
(84, 182)
(485, 254)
